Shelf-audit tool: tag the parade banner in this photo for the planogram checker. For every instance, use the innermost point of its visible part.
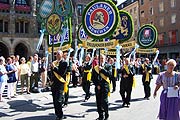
(53, 24)
(125, 28)
(64, 8)
(64, 36)
(82, 36)
(147, 36)
(100, 19)
(146, 51)
(109, 45)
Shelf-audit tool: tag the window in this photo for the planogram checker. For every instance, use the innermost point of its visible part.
(173, 18)
(142, 2)
(122, 5)
(17, 27)
(142, 13)
(21, 2)
(151, 11)
(161, 6)
(27, 27)
(3, 26)
(172, 36)
(22, 27)
(161, 22)
(79, 10)
(135, 9)
(173, 3)
(161, 39)
(4, 1)
(131, 11)
(135, 21)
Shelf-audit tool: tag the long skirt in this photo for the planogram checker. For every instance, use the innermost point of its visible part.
(169, 107)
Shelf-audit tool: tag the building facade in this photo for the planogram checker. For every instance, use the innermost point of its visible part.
(165, 16)
(19, 28)
(18, 31)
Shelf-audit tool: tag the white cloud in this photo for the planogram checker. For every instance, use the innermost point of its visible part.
(120, 1)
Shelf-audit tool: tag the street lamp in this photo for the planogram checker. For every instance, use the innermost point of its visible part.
(11, 40)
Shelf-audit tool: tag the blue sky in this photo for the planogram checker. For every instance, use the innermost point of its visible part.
(120, 1)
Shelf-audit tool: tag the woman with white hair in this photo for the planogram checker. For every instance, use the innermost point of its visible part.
(3, 77)
(169, 99)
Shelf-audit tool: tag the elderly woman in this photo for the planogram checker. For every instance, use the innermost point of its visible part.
(169, 104)
(11, 69)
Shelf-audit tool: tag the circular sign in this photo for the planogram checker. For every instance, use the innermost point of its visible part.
(100, 19)
(125, 28)
(147, 36)
(53, 24)
(82, 36)
(63, 7)
(46, 8)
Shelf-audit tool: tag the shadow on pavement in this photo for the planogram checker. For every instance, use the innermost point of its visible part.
(49, 117)
(92, 104)
(3, 114)
(132, 100)
(26, 106)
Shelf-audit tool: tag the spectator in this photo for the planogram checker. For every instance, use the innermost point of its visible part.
(3, 77)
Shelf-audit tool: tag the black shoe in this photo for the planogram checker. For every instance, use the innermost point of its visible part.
(123, 104)
(63, 117)
(65, 105)
(106, 116)
(99, 118)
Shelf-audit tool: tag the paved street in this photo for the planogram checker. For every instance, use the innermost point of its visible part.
(38, 106)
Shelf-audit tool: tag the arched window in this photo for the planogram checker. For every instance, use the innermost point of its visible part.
(4, 1)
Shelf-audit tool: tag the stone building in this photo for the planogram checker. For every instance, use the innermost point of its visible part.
(18, 27)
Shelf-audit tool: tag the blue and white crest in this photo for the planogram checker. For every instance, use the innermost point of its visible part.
(46, 8)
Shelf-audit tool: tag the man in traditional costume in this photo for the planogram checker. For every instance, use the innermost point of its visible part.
(100, 78)
(127, 76)
(59, 68)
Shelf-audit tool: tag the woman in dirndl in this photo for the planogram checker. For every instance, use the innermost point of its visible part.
(169, 99)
